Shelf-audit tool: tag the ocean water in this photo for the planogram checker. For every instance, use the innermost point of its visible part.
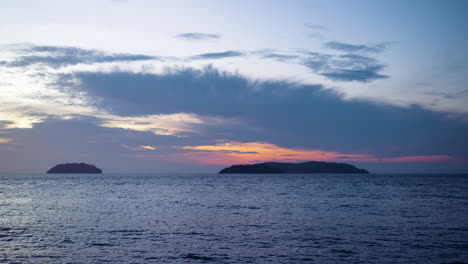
(209, 218)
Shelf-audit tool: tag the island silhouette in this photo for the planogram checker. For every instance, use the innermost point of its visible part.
(78, 168)
(285, 167)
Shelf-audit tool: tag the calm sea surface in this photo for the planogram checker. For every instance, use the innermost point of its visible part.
(210, 218)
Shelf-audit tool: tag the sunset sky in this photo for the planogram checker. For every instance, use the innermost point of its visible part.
(193, 86)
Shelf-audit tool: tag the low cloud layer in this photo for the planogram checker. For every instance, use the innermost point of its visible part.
(284, 113)
(83, 139)
(189, 116)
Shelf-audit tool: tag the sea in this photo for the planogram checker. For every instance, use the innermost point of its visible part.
(210, 218)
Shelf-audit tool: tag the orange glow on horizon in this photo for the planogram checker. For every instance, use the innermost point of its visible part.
(252, 152)
(5, 140)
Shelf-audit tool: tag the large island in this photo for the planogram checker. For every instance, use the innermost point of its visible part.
(303, 167)
(78, 168)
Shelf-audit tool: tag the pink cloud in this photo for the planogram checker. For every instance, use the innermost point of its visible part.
(419, 159)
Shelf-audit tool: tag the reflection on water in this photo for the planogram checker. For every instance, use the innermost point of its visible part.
(233, 218)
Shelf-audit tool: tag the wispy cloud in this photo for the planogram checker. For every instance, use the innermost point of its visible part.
(347, 67)
(180, 124)
(316, 31)
(316, 27)
(55, 57)
(353, 48)
(281, 57)
(419, 159)
(139, 148)
(198, 36)
(365, 74)
(219, 55)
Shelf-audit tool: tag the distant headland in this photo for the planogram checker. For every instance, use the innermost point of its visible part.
(75, 168)
(303, 167)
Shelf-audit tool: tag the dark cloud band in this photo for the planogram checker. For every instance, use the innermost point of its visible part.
(284, 113)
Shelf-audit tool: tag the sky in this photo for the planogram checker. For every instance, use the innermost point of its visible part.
(194, 86)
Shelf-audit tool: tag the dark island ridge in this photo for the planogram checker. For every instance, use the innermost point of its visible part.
(78, 168)
(303, 167)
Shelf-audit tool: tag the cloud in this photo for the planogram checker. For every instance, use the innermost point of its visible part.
(347, 67)
(342, 67)
(316, 30)
(353, 48)
(6, 123)
(337, 67)
(219, 55)
(139, 148)
(276, 119)
(56, 57)
(82, 139)
(198, 36)
(178, 124)
(316, 27)
(286, 114)
(280, 57)
(366, 74)
(447, 95)
(419, 159)
(122, 150)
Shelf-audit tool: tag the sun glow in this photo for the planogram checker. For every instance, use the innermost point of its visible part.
(251, 152)
(148, 147)
(5, 140)
(254, 152)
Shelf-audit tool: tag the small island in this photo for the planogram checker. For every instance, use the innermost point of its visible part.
(78, 168)
(303, 168)
(261, 168)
